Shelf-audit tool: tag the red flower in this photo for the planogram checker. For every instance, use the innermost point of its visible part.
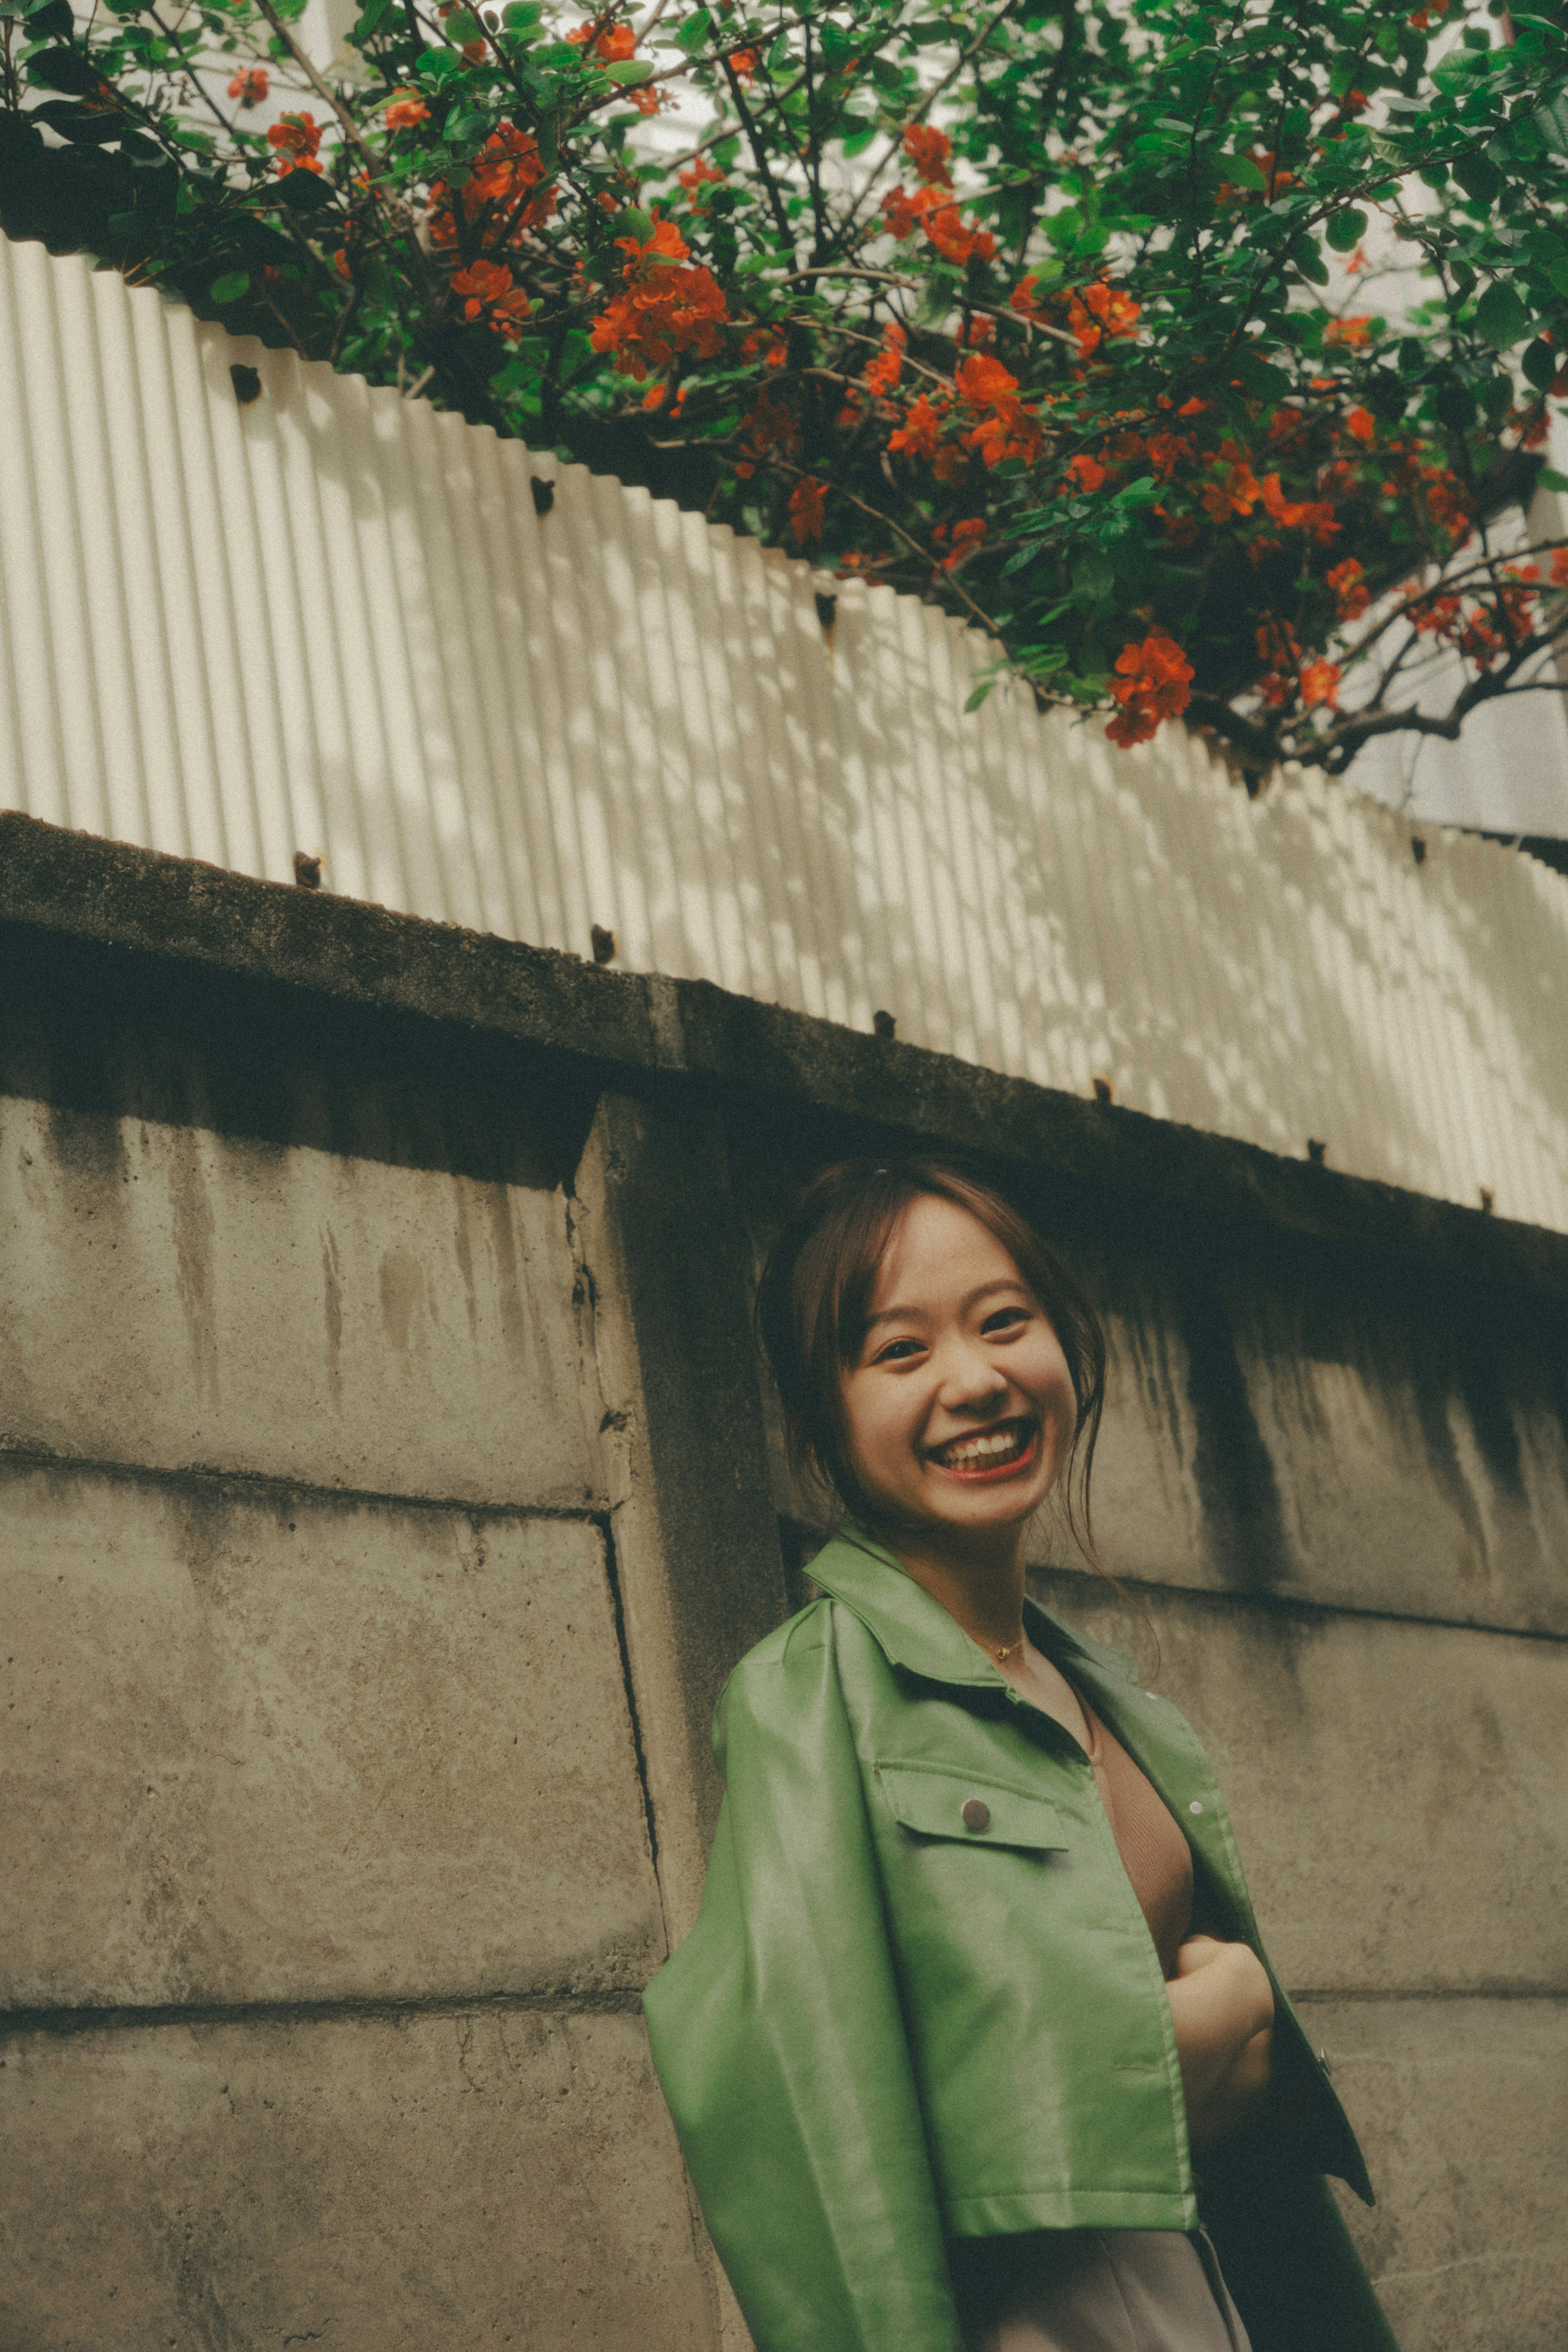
(665, 309)
(1086, 471)
(917, 436)
(405, 108)
(249, 85)
(966, 537)
(699, 174)
(884, 371)
(929, 151)
(1359, 424)
(489, 287)
(1350, 593)
(742, 64)
(1320, 682)
(505, 168)
(613, 46)
(1354, 333)
(1099, 313)
(1153, 682)
(807, 501)
(296, 138)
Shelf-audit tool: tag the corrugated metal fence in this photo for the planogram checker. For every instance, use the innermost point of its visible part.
(327, 618)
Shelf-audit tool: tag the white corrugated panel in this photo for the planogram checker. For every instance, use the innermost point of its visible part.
(333, 620)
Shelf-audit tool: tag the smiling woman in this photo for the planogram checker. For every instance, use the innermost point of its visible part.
(976, 1971)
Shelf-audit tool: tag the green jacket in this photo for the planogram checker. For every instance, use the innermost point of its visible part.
(887, 2030)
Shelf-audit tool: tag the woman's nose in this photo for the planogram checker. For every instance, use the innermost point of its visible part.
(970, 1375)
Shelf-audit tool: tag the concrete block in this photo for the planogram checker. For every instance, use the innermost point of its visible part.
(173, 1296)
(1462, 2109)
(265, 1748)
(421, 2183)
(1397, 1788)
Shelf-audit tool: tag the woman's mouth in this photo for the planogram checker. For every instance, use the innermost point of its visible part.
(1002, 1451)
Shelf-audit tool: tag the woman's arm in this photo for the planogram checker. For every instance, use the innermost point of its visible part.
(1222, 2006)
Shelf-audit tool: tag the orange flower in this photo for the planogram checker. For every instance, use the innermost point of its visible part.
(405, 108)
(1360, 425)
(1346, 584)
(505, 168)
(1320, 684)
(249, 85)
(1086, 471)
(699, 174)
(1560, 567)
(742, 64)
(296, 138)
(1153, 682)
(917, 436)
(1021, 299)
(1007, 428)
(1354, 334)
(1193, 407)
(489, 287)
(807, 501)
(665, 309)
(1099, 313)
(929, 151)
(903, 211)
(1168, 450)
(1234, 489)
(613, 46)
(884, 371)
(966, 537)
(955, 240)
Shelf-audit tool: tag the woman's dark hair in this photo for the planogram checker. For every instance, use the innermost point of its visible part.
(815, 1298)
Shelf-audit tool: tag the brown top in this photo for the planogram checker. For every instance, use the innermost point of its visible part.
(1155, 1854)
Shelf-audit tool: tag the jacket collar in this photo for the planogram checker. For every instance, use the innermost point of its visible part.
(915, 1632)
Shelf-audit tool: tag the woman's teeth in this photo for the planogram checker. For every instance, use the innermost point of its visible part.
(995, 1445)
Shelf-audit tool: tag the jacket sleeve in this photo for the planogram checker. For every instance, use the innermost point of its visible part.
(778, 2039)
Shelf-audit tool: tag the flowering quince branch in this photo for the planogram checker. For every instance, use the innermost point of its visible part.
(1031, 311)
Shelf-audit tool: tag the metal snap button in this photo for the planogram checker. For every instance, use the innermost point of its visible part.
(976, 1814)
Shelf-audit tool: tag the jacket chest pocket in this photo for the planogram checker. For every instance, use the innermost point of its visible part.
(936, 1802)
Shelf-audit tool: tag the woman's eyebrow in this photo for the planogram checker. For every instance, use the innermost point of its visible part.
(970, 1298)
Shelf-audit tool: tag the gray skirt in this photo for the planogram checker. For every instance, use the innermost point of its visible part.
(1097, 2290)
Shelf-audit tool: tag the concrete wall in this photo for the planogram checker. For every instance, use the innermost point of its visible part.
(386, 1488)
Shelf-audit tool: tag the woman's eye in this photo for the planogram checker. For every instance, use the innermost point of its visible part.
(897, 1351)
(1006, 1318)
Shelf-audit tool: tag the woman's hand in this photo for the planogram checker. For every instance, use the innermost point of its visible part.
(1222, 2006)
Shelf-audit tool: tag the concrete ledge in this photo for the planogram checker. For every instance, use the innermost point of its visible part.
(142, 905)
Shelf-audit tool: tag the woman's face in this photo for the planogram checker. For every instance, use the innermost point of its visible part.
(959, 1403)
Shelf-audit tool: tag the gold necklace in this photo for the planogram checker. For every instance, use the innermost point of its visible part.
(1007, 1650)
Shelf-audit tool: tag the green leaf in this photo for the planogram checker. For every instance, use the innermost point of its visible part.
(230, 286)
(837, 46)
(576, 354)
(1539, 365)
(1501, 317)
(627, 76)
(978, 694)
(694, 34)
(1550, 122)
(634, 223)
(1346, 230)
(1260, 377)
(1549, 478)
(1242, 171)
(1477, 178)
(370, 24)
